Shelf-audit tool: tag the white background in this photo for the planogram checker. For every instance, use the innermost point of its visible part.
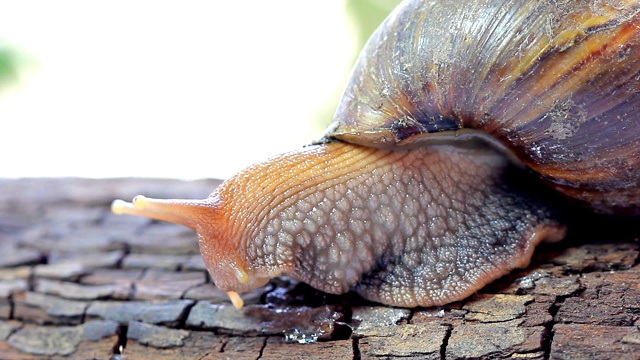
(188, 89)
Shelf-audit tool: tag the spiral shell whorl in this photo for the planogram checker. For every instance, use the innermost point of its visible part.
(556, 82)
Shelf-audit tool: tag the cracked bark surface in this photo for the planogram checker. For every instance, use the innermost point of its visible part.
(79, 282)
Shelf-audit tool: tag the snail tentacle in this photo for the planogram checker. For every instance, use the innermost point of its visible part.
(184, 212)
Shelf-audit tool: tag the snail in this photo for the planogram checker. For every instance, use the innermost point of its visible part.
(434, 178)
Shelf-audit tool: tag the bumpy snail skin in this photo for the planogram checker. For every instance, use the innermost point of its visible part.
(406, 227)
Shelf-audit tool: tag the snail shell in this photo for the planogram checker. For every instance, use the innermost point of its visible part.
(555, 82)
(421, 192)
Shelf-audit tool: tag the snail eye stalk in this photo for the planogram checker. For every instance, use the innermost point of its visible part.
(183, 212)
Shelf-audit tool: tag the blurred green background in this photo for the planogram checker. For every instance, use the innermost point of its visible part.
(365, 15)
(9, 65)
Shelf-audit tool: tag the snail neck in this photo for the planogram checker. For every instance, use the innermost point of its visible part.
(254, 197)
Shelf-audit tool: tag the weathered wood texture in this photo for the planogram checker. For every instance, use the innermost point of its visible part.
(79, 282)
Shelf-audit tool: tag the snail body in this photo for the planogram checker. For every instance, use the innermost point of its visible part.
(421, 190)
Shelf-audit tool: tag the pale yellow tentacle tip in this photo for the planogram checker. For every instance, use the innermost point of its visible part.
(236, 300)
(119, 207)
(239, 270)
(140, 202)
(242, 275)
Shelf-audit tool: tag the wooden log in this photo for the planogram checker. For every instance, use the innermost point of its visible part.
(93, 284)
